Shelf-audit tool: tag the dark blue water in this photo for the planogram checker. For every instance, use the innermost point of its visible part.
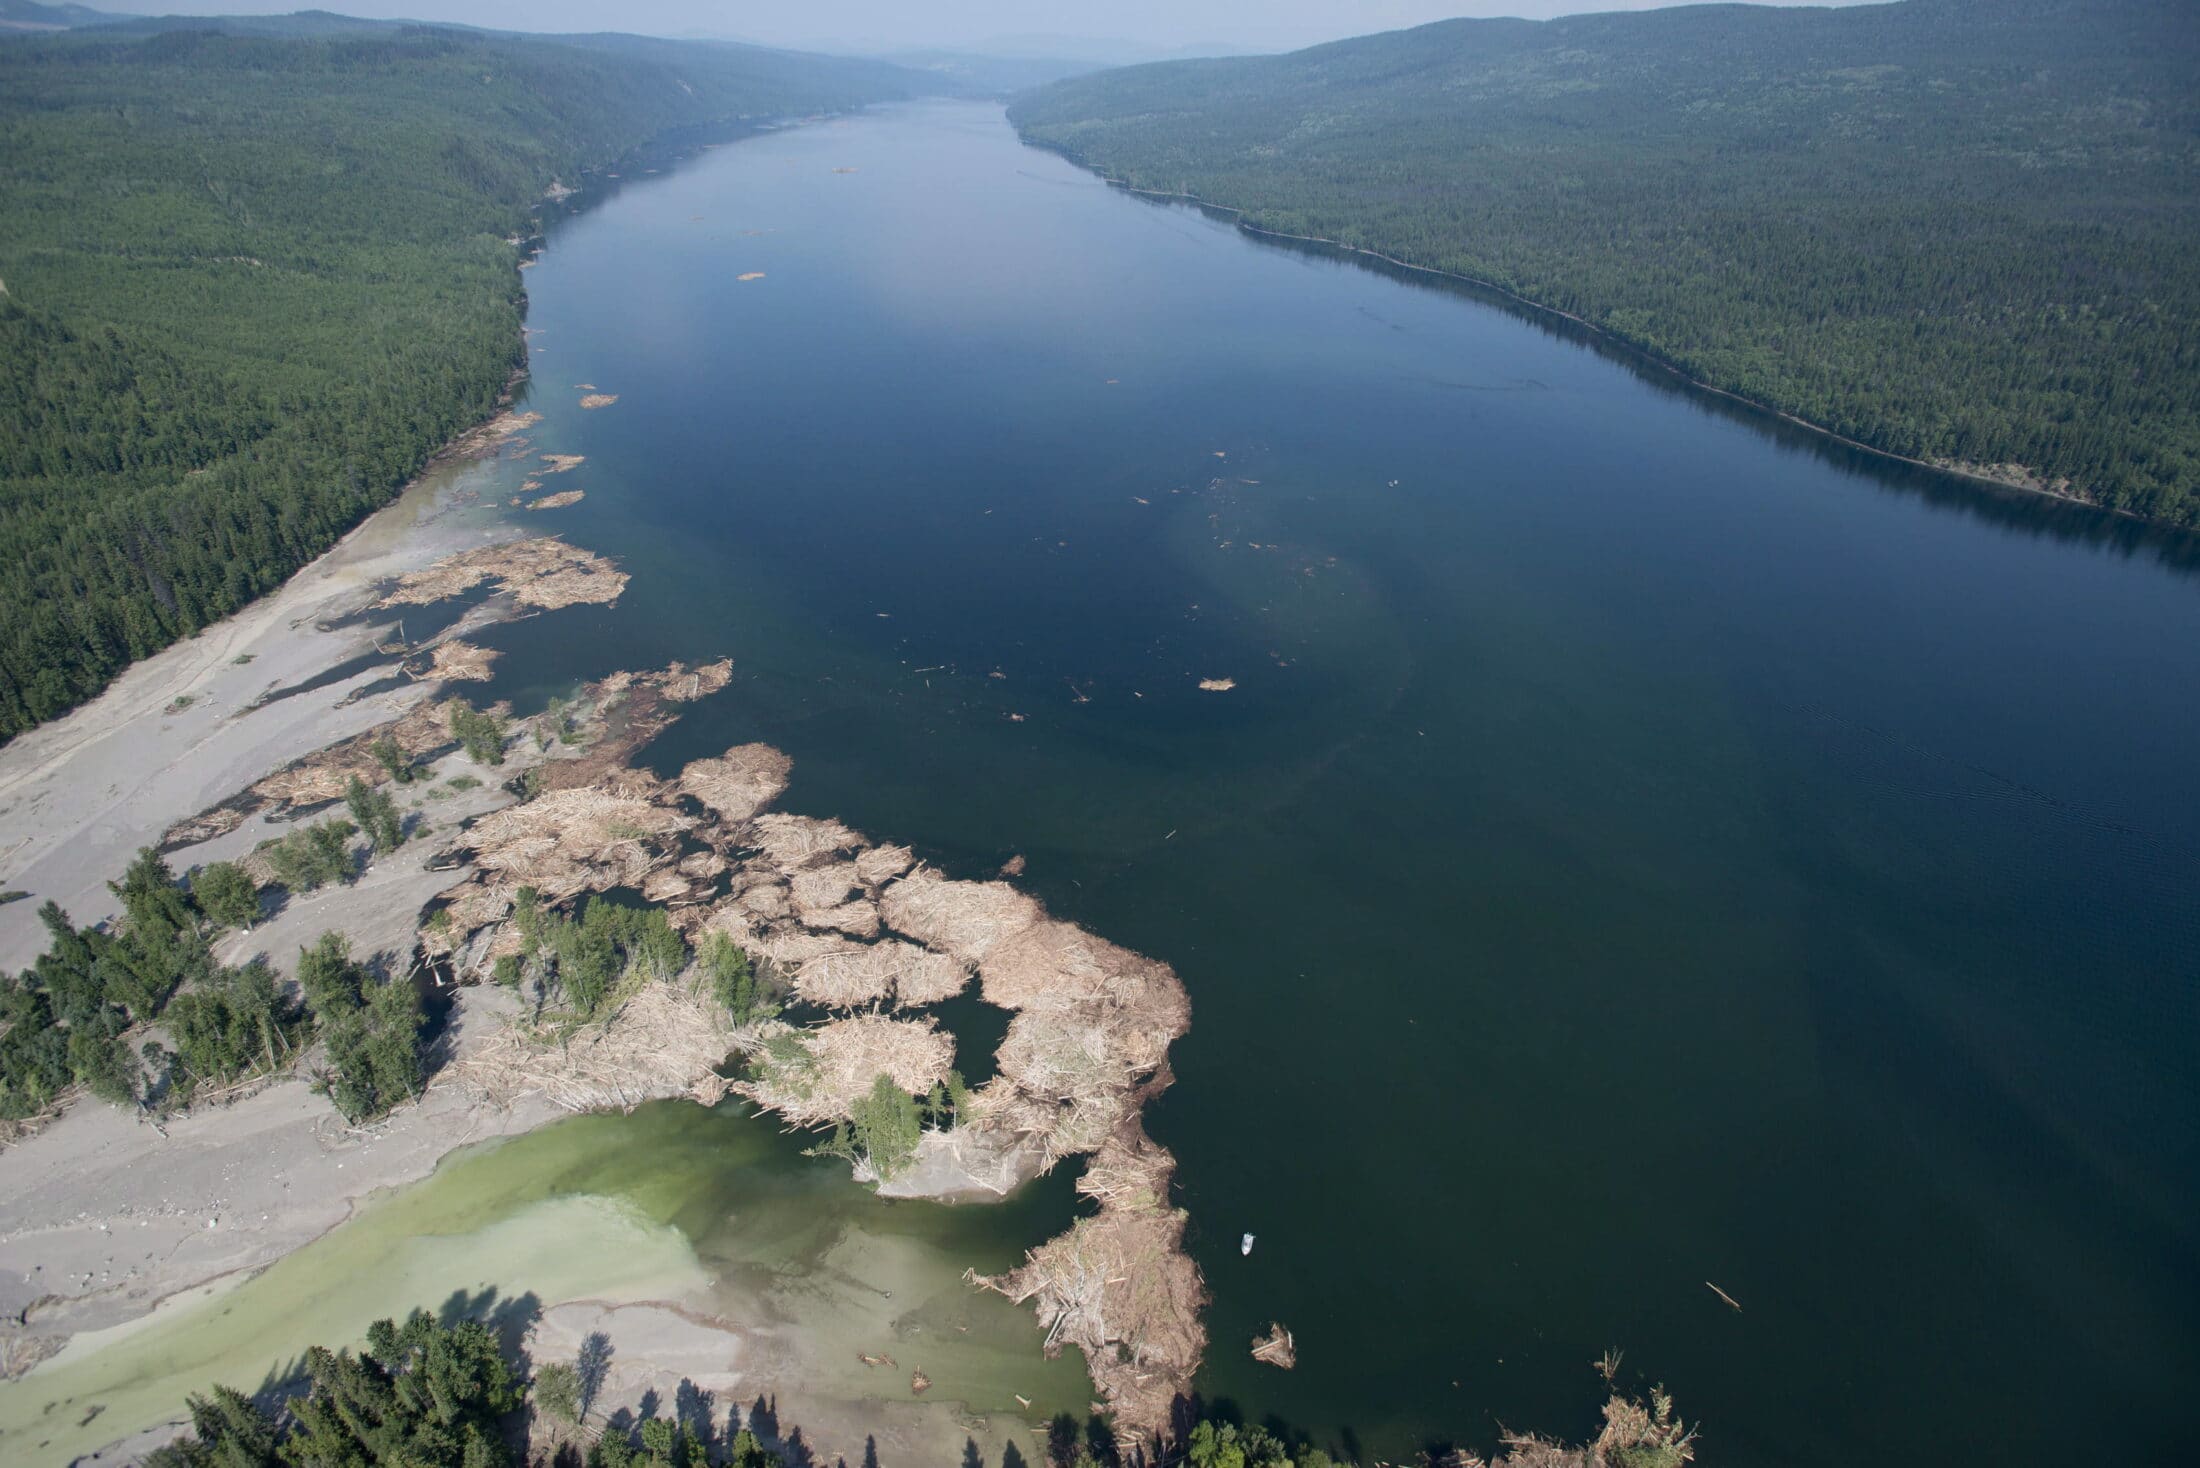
(1642, 846)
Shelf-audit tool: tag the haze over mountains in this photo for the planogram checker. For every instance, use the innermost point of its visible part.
(31, 15)
(1952, 229)
(1123, 33)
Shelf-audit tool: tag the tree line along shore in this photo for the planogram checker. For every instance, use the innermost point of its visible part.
(745, 911)
(1957, 232)
(454, 1391)
(250, 284)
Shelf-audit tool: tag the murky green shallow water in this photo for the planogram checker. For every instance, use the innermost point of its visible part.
(1642, 847)
(708, 1209)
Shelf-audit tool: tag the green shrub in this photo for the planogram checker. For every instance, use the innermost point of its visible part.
(228, 897)
(314, 856)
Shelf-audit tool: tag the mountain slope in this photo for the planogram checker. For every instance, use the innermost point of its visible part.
(1956, 230)
(248, 285)
(30, 15)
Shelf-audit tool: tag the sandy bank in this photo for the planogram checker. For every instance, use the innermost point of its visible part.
(79, 796)
(104, 1216)
(108, 1216)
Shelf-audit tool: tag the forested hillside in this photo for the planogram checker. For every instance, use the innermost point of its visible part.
(248, 285)
(1956, 230)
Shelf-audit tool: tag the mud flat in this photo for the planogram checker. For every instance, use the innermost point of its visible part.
(105, 1217)
(807, 1299)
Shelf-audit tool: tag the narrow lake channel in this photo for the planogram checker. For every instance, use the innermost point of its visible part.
(1621, 846)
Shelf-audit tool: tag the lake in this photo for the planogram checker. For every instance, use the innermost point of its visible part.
(1641, 847)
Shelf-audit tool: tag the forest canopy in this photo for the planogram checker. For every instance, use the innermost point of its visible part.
(249, 284)
(1955, 230)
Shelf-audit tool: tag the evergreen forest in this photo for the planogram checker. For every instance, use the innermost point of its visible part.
(1955, 230)
(451, 1393)
(250, 283)
(92, 1011)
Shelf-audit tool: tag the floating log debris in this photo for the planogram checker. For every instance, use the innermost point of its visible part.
(542, 573)
(1277, 1348)
(456, 661)
(665, 1041)
(962, 919)
(881, 864)
(814, 1077)
(596, 736)
(855, 928)
(1120, 1287)
(739, 783)
(793, 842)
(492, 437)
(873, 973)
(599, 400)
(559, 500)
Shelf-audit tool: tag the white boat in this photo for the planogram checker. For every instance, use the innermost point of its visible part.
(1245, 1245)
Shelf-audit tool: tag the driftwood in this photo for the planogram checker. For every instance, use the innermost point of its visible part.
(839, 1061)
(809, 900)
(542, 573)
(1120, 1287)
(662, 1042)
(1277, 1348)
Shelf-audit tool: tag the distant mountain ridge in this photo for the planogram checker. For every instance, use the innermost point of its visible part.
(30, 15)
(1956, 230)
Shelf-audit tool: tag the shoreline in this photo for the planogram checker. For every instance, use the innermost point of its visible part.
(115, 1225)
(194, 723)
(1640, 355)
(236, 1187)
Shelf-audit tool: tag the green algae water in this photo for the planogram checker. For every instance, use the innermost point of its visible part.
(1615, 845)
(707, 1209)
(1640, 845)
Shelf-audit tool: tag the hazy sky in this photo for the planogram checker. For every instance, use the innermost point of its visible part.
(884, 23)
